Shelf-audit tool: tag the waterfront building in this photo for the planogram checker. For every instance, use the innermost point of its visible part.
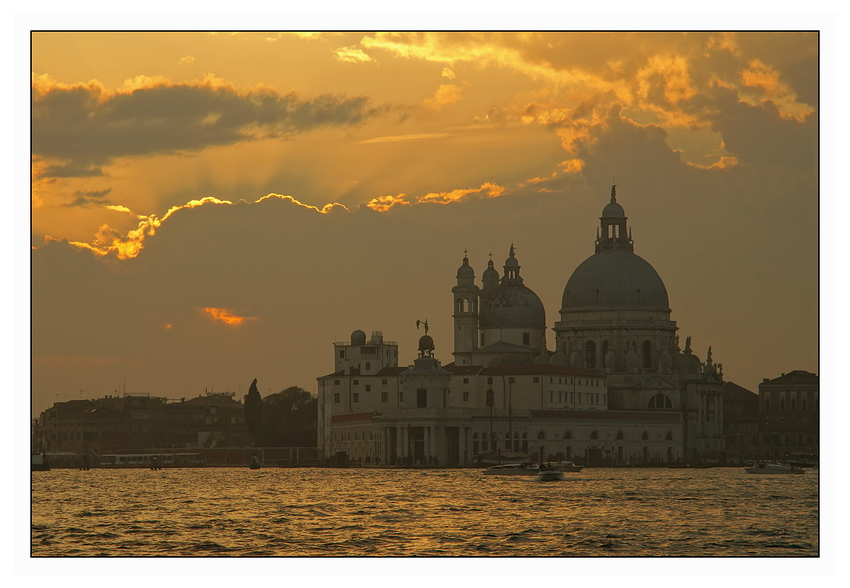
(789, 422)
(741, 423)
(616, 389)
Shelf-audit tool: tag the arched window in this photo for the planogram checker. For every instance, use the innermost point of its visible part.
(669, 436)
(475, 443)
(660, 401)
(767, 404)
(507, 440)
(781, 404)
(620, 435)
(459, 305)
(804, 404)
(644, 436)
(594, 435)
(541, 435)
(590, 354)
(516, 441)
(647, 354)
(568, 435)
(525, 442)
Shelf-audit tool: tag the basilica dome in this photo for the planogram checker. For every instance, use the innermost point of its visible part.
(511, 305)
(615, 279)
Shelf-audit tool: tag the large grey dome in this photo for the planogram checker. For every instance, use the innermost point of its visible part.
(511, 305)
(615, 279)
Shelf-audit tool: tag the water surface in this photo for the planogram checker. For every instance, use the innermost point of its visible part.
(387, 512)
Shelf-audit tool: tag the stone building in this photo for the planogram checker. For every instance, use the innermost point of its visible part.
(741, 423)
(616, 389)
(789, 420)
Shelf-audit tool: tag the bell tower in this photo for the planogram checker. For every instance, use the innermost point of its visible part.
(465, 315)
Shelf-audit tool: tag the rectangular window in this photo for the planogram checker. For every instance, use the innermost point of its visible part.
(341, 353)
(385, 396)
(466, 380)
(356, 397)
(368, 387)
(466, 396)
(421, 398)
(368, 366)
(551, 397)
(356, 382)
(336, 382)
(482, 339)
(384, 382)
(336, 398)
(526, 339)
(536, 379)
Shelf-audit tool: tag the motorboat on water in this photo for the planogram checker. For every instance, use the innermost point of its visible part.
(774, 468)
(549, 474)
(567, 466)
(804, 460)
(513, 469)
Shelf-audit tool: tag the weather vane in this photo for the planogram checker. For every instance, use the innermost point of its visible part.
(424, 324)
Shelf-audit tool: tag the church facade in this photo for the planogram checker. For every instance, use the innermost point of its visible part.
(616, 389)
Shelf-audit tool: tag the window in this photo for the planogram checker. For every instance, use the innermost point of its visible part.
(341, 353)
(644, 436)
(368, 365)
(793, 404)
(356, 397)
(551, 397)
(482, 339)
(781, 404)
(767, 404)
(336, 398)
(336, 382)
(568, 435)
(804, 404)
(466, 396)
(590, 354)
(384, 396)
(536, 379)
(526, 339)
(466, 380)
(507, 441)
(356, 382)
(368, 387)
(660, 401)
(620, 435)
(669, 436)
(401, 396)
(474, 443)
(647, 354)
(594, 435)
(421, 398)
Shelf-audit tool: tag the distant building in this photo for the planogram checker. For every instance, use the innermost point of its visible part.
(617, 389)
(139, 422)
(741, 422)
(789, 421)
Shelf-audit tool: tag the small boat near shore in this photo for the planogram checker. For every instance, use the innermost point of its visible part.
(774, 468)
(549, 476)
(513, 469)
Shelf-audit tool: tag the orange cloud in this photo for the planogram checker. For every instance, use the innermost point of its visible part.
(385, 203)
(446, 95)
(488, 189)
(352, 55)
(225, 315)
(572, 165)
(762, 77)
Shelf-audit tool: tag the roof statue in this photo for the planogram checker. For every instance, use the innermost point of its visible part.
(424, 324)
(614, 193)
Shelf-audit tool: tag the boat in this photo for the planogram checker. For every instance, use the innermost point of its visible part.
(255, 463)
(774, 468)
(549, 474)
(567, 466)
(803, 460)
(513, 469)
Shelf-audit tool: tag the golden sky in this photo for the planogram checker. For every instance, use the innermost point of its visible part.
(212, 208)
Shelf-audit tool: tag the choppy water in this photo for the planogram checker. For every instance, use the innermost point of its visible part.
(375, 512)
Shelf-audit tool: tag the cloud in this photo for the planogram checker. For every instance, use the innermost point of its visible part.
(486, 190)
(89, 199)
(448, 74)
(385, 203)
(225, 316)
(78, 128)
(187, 60)
(415, 137)
(446, 95)
(352, 55)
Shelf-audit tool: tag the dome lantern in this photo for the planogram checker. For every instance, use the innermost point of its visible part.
(614, 235)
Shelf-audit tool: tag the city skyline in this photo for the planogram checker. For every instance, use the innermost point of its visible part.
(211, 208)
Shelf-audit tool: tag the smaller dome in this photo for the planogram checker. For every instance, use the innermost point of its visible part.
(613, 210)
(465, 271)
(358, 337)
(426, 343)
